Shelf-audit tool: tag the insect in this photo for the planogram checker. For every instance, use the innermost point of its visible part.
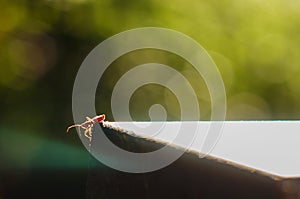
(88, 125)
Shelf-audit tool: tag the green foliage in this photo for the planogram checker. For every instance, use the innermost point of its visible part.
(254, 43)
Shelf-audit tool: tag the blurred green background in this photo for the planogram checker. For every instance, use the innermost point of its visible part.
(255, 45)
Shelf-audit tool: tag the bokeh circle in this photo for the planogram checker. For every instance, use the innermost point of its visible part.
(100, 58)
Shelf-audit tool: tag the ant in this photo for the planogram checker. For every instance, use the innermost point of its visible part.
(88, 125)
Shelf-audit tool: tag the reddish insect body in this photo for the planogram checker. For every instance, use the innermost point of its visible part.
(88, 125)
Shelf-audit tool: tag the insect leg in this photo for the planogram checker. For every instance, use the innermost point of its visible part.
(87, 133)
(75, 125)
(90, 131)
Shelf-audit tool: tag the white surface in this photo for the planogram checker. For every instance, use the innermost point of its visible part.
(270, 146)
